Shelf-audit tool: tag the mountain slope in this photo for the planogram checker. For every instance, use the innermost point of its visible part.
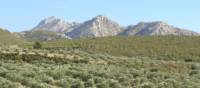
(156, 28)
(99, 26)
(41, 35)
(7, 38)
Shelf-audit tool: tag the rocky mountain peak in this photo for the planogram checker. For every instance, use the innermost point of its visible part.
(54, 24)
(159, 22)
(156, 28)
(51, 19)
(100, 18)
(99, 26)
(154, 23)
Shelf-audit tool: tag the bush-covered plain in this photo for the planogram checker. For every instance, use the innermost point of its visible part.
(78, 69)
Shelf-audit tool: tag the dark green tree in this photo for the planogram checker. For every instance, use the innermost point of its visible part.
(37, 45)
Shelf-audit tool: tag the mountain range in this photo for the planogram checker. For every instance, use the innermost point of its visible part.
(53, 28)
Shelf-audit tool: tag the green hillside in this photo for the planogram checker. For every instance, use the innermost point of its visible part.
(6, 38)
(160, 47)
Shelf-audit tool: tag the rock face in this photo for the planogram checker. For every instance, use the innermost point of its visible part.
(53, 24)
(99, 26)
(156, 28)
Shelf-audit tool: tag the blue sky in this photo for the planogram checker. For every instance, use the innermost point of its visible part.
(19, 15)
